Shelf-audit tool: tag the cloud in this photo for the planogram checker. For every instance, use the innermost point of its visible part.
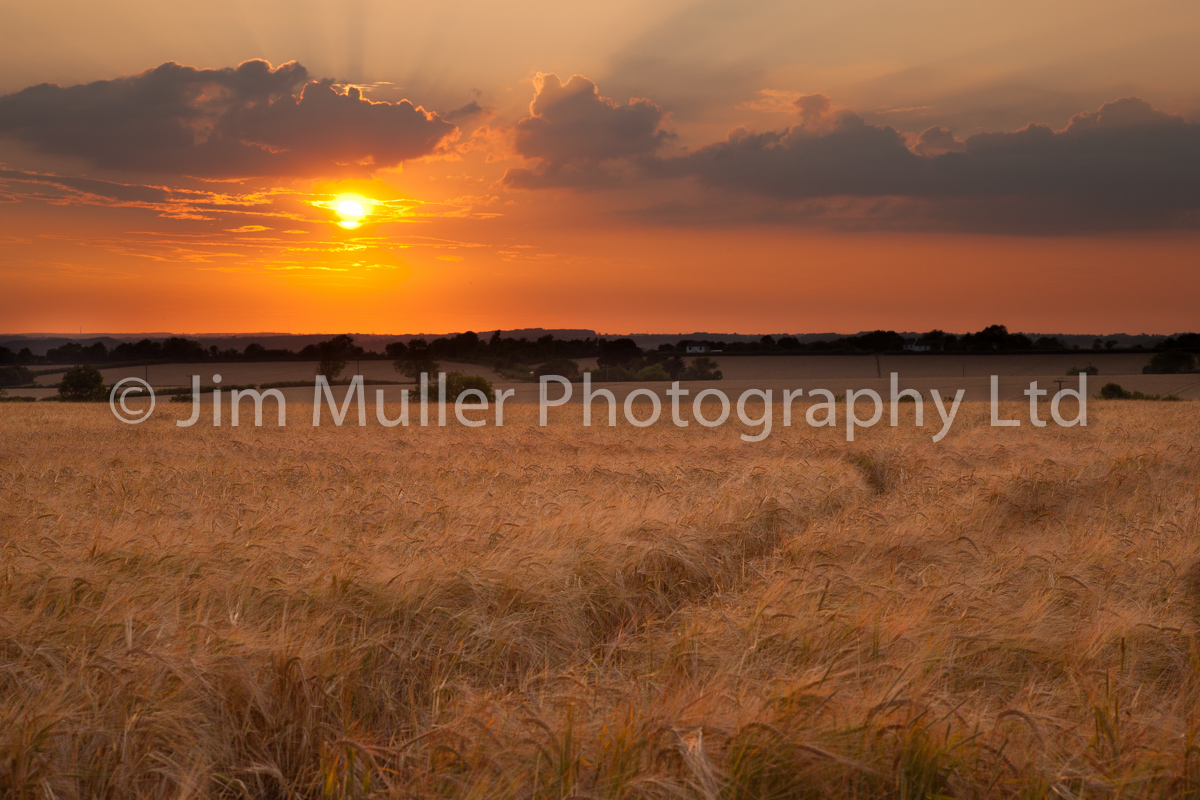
(937, 140)
(468, 111)
(576, 135)
(252, 120)
(101, 191)
(828, 153)
(1124, 165)
(816, 111)
(167, 202)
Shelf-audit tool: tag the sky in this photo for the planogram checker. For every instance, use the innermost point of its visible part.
(384, 167)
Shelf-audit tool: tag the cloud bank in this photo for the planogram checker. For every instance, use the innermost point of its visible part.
(574, 133)
(252, 120)
(1125, 165)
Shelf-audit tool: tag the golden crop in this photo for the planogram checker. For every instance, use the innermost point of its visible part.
(565, 612)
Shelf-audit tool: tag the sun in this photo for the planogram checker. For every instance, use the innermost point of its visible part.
(351, 210)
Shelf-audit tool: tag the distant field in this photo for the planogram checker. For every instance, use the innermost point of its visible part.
(836, 373)
(923, 366)
(547, 613)
(733, 367)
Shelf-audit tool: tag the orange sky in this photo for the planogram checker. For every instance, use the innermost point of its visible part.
(853, 198)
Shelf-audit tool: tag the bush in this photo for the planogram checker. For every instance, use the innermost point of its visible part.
(558, 366)
(1113, 391)
(457, 383)
(654, 372)
(1170, 362)
(608, 373)
(1088, 370)
(81, 384)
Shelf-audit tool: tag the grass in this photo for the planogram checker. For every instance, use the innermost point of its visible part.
(617, 613)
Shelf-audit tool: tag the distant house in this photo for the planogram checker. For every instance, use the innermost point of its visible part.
(697, 348)
(917, 346)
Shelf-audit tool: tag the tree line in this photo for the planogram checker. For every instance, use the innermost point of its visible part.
(506, 353)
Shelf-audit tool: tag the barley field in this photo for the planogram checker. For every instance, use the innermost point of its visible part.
(557, 612)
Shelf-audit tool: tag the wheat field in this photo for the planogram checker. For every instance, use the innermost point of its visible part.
(561, 612)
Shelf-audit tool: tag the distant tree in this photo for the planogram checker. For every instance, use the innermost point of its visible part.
(415, 358)
(675, 366)
(254, 350)
(995, 337)
(7, 356)
(874, 342)
(466, 346)
(788, 343)
(1182, 341)
(1110, 344)
(73, 352)
(936, 340)
(1088, 370)
(395, 350)
(702, 369)
(137, 351)
(619, 352)
(767, 341)
(992, 334)
(332, 355)
(81, 384)
(177, 348)
(15, 376)
(1170, 362)
(1097, 344)
(331, 365)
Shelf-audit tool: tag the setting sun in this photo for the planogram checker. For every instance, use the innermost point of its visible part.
(351, 211)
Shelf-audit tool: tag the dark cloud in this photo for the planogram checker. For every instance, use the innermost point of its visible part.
(250, 121)
(468, 111)
(105, 190)
(167, 202)
(828, 153)
(1125, 165)
(574, 133)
